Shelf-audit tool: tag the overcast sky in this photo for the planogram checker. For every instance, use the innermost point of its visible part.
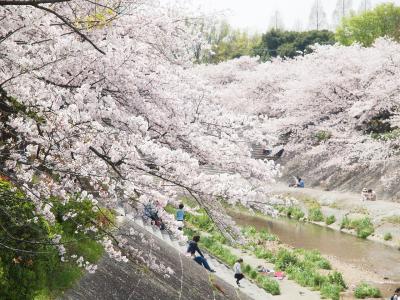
(255, 15)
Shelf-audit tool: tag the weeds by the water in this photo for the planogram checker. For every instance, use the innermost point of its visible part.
(364, 290)
(315, 214)
(363, 226)
(330, 220)
(291, 212)
(300, 265)
(392, 219)
(388, 236)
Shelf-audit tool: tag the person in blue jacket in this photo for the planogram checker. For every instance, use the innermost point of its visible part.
(300, 182)
(193, 248)
(180, 216)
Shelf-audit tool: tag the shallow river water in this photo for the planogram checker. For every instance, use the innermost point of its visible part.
(368, 255)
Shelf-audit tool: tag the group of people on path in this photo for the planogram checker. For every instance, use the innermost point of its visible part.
(193, 247)
(298, 182)
(201, 260)
(368, 195)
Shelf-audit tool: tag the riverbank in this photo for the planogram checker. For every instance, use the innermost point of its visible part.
(384, 215)
(357, 259)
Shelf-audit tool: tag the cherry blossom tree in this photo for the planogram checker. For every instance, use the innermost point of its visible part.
(99, 101)
(335, 110)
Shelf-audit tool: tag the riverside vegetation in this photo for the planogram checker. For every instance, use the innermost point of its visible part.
(302, 266)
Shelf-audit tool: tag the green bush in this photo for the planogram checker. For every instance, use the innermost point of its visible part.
(388, 236)
(247, 269)
(284, 259)
(330, 220)
(330, 291)
(24, 275)
(266, 236)
(314, 257)
(345, 224)
(323, 136)
(261, 252)
(306, 276)
(269, 284)
(363, 227)
(315, 214)
(294, 213)
(337, 279)
(364, 290)
(253, 274)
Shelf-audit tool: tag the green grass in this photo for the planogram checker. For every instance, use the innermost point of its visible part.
(330, 291)
(330, 220)
(269, 284)
(363, 226)
(386, 136)
(322, 135)
(291, 212)
(392, 219)
(388, 236)
(364, 290)
(315, 214)
(300, 265)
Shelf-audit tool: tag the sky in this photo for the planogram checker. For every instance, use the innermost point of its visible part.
(256, 15)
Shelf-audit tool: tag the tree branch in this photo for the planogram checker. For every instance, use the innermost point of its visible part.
(66, 22)
(32, 2)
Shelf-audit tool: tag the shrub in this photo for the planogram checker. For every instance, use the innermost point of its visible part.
(37, 269)
(388, 236)
(330, 220)
(315, 214)
(315, 259)
(322, 135)
(261, 252)
(266, 236)
(306, 276)
(247, 269)
(269, 284)
(364, 290)
(284, 258)
(363, 227)
(330, 291)
(253, 274)
(345, 224)
(294, 213)
(337, 279)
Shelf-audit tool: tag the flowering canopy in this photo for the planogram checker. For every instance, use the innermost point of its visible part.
(99, 102)
(336, 110)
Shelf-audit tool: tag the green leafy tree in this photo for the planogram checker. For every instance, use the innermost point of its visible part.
(228, 43)
(365, 28)
(290, 43)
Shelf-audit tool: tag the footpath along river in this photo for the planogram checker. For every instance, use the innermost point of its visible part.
(364, 254)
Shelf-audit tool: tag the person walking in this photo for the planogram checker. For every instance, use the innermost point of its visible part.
(396, 295)
(193, 248)
(238, 271)
(180, 216)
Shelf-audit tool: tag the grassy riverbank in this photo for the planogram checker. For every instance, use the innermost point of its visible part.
(307, 268)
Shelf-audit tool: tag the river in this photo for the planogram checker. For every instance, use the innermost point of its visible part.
(365, 254)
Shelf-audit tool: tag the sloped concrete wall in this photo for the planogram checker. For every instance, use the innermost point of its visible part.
(348, 178)
(133, 281)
